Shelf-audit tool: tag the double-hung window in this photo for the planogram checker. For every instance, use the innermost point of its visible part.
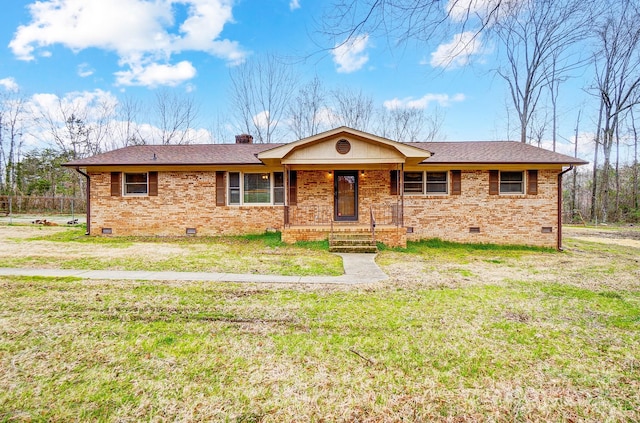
(425, 183)
(511, 182)
(436, 182)
(136, 184)
(256, 188)
(414, 182)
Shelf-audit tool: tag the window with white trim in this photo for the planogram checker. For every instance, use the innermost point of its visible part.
(256, 188)
(426, 182)
(278, 188)
(437, 182)
(511, 182)
(234, 187)
(414, 182)
(136, 183)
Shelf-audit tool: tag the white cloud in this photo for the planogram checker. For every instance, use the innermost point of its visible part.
(261, 119)
(156, 74)
(423, 102)
(350, 55)
(9, 84)
(89, 104)
(294, 4)
(458, 52)
(142, 33)
(84, 70)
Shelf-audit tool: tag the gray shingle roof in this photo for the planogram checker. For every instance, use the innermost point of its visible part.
(165, 155)
(467, 152)
(488, 152)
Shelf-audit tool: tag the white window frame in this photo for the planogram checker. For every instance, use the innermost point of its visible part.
(241, 189)
(125, 184)
(446, 183)
(404, 183)
(425, 183)
(523, 183)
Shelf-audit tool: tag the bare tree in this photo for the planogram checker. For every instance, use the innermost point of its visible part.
(537, 37)
(408, 20)
(352, 108)
(308, 110)
(400, 123)
(175, 116)
(127, 129)
(12, 128)
(261, 90)
(617, 80)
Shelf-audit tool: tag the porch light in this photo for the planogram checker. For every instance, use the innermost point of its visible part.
(362, 172)
(329, 173)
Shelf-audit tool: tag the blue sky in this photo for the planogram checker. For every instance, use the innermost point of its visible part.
(96, 48)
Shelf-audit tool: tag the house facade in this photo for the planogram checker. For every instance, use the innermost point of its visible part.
(338, 181)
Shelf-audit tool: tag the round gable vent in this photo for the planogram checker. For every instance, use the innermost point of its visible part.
(343, 146)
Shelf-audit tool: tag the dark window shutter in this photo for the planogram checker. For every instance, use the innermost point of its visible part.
(220, 189)
(394, 182)
(494, 182)
(293, 188)
(115, 184)
(153, 183)
(532, 182)
(456, 182)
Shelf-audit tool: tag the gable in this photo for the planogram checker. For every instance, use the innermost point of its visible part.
(359, 151)
(344, 146)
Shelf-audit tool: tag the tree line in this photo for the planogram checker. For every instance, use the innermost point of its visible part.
(544, 43)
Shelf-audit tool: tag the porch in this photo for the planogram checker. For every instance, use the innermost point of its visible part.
(317, 223)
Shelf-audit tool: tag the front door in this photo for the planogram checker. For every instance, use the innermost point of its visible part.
(345, 195)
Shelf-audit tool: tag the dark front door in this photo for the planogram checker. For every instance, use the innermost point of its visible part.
(345, 195)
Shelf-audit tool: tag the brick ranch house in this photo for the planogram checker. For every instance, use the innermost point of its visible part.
(338, 181)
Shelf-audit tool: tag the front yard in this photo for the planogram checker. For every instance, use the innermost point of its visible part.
(459, 333)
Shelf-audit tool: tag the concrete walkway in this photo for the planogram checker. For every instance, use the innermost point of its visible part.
(358, 268)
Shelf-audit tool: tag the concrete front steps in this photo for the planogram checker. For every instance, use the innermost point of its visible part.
(352, 242)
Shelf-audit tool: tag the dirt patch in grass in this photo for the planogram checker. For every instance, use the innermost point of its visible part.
(57, 247)
(628, 236)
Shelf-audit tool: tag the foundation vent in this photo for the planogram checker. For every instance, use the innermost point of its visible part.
(474, 229)
(547, 229)
(107, 231)
(191, 231)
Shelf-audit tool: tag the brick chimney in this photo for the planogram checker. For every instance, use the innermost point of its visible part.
(244, 139)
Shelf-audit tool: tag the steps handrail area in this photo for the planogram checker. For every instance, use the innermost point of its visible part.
(373, 226)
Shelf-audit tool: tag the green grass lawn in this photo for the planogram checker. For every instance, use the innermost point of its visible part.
(69, 248)
(458, 333)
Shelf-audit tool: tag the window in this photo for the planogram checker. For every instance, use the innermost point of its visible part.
(413, 182)
(436, 182)
(234, 187)
(278, 188)
(135, 184)
(257, 188)
(511, 182)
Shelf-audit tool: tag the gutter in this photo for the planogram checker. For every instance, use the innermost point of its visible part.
(560, 206)
(88, 199)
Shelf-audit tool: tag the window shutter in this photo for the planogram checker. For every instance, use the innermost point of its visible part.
(394, 182)
(116, 188)
(220, 189)
(494, 182)
(456, 182)
(153, 184)
(532, 182)
(293, 188)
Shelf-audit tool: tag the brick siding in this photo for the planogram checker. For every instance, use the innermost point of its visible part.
(187, 199)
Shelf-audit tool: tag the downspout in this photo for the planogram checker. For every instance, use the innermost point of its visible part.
(88, 199)
(560, 206)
